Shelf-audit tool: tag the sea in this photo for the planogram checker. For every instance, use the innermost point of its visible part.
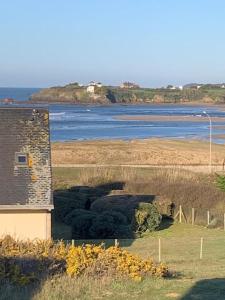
(94, 122)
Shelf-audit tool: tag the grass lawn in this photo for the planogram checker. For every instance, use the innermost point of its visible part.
(180, 249)
(191, 278)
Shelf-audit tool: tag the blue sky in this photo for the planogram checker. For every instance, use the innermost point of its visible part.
(151, 42)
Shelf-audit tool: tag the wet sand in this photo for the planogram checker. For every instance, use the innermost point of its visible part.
(171, 118)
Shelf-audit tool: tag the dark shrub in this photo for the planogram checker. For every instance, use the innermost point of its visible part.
(65, 202)
(103, 227)
(81, 221)
(87, 224)
(124, 204)
(118, 218)
(110, 224)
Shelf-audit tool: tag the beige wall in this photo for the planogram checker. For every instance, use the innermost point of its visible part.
(26, 224)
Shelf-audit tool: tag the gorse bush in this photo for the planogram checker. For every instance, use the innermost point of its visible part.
(25, 262)
(99, 261)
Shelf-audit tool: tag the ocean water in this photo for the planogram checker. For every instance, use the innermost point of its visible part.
(99, 122)
(78, 122)
(20, 94)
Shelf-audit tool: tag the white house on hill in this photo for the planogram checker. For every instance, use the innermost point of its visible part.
(92, 86)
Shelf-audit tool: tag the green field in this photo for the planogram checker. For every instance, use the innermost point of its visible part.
(191, 277)
(180, 249)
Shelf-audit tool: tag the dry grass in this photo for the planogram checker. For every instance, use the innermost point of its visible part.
(65, 288)
(152, 151)
(179, 186)
(58, 288)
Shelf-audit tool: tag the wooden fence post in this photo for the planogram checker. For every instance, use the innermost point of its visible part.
(73, 243)
(208, 217)
(116, 243)
(201, 248)
(159, 250)
(224, 221)
(180, 214)
(192, 216)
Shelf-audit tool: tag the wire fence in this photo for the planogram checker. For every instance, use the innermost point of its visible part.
(210, 218)
(190, 250)
(172, 250)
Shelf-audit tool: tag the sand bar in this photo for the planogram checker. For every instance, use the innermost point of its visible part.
(171, 118)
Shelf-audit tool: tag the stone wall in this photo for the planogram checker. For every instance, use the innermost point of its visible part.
(25, 131)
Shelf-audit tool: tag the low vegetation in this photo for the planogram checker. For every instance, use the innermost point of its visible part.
(92, 214)
(48, 270)
(190, 277)
(125, 203)
(29, 263)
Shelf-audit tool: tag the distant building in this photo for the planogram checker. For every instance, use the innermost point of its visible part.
(91, 89)
(94, 83)
(195, 86)
(172, 87)
(92, 86)
(25, 173)
(129, 85)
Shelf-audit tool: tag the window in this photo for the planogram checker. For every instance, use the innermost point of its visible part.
(21, 159)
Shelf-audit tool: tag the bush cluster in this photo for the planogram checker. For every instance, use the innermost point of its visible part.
(93, 215)
(24, 262)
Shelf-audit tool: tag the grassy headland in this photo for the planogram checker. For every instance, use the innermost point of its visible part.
(73, 93)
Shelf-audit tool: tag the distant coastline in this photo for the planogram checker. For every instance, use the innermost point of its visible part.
(96, 93)
(110, 95)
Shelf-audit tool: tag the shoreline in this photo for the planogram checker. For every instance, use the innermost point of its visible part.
(171, 118)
